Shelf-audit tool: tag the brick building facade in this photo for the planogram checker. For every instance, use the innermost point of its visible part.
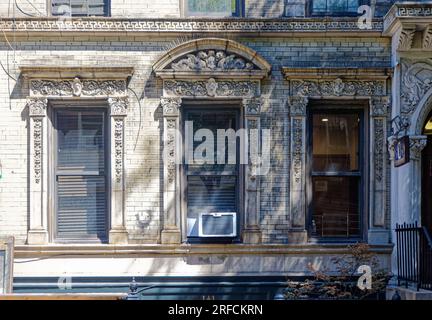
(146, 65)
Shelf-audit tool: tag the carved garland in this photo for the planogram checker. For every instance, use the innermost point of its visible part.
(337, 87)
(211, 88)
(77, 88)
(211, 60)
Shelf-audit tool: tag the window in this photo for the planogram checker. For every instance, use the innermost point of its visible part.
(336, 173)
(211, 187)
(213, 8)
(80, 7)
(80, 175)
(335, 7)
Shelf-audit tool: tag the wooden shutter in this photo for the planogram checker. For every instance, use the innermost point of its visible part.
(81, 200)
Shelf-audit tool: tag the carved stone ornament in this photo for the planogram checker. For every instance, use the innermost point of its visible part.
(37, 148)
(118, 147)
(253, 106)
(391, 144)
(417, 144)
(170, 106)
(380, 106)
(427, 38)
(297, 105)
(379, 143)
(37, 107)
(211, 60)
(405, 39)
(337, 87)
(118, 106)
(211, 88)
(297, 149)
(76, 87)
(416, 82)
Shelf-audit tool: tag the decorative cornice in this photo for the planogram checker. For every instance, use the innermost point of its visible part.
(169, 26)
(411, 12)
(377, 73)
(68, 88)
(53, 69)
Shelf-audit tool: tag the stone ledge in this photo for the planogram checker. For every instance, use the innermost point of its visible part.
(22, 251)
(64, 296)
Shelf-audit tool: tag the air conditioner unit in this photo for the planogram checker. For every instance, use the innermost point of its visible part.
(217, 224)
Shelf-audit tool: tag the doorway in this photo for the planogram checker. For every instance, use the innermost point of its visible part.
(426, 218)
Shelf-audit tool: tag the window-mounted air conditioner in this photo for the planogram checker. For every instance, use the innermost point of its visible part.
(217, 224)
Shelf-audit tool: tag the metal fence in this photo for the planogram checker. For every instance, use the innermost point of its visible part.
(414, 256)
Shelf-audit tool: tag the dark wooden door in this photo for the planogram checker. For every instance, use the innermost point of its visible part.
(427, 185)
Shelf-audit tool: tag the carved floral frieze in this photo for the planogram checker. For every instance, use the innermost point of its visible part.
(77, 88)
(337, 87)
(211, 88)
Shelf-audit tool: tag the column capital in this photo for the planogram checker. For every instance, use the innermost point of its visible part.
(171, 106)
(379, 106)
(37, 106)
(118, 106)
(253, 106)
(417, 144)
(298, 105)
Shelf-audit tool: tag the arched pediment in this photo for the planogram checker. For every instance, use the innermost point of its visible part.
(211, 57)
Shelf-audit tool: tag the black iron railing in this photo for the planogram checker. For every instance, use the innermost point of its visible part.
(414, 255)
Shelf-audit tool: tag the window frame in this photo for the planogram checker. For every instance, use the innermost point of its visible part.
(239, 12)
(329, 13)
(339, 107)
(206, 105)
(107, 5)
(82, 105)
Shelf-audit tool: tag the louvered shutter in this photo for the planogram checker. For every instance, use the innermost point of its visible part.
(80, 7)
(80, 173)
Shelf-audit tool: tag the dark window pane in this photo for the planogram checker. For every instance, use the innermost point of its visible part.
(335, 6)
(335, 142)
(80, 7)
(209, 194)
(211, 7)
(336, 206)
(80, 141)
(214, 121)
(80, 173)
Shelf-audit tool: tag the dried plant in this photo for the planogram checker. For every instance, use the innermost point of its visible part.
(343, 285)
